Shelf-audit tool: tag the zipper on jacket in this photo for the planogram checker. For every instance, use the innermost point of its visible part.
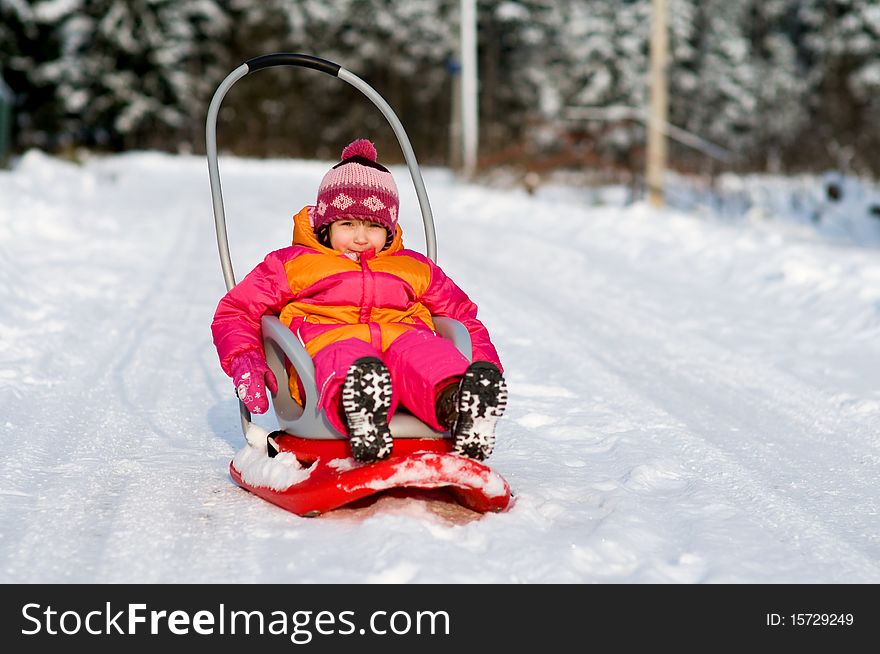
(369, 299)
(368, 287)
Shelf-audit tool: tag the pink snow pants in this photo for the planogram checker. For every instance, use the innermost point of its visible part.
(420, 363)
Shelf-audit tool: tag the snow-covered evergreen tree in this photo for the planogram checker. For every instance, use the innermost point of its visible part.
(776, 81)
(712, 79)
(518, 90)
(841, 43)
(132, 71)
(402, 49)
(780, 83)
(27, 41)
(601, 61)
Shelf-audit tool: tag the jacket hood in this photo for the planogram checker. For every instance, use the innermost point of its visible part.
(304, 235)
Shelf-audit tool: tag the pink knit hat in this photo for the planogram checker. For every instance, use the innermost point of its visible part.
(357, 186)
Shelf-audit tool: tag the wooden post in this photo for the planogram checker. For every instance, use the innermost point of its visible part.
(469, 107)
(657, 115)
(455, 138)
(7, 99)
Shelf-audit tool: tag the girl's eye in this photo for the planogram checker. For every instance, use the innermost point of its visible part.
(376, 226)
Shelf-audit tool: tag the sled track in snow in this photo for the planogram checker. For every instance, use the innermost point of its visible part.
(112, 452)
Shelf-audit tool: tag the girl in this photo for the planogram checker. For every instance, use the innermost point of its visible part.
(361, 305)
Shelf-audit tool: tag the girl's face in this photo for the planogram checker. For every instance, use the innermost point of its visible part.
(352, 236)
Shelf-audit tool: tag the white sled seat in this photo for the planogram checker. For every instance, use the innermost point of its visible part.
(308, 421)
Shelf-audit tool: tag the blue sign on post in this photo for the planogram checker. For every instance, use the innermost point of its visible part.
(6, 100)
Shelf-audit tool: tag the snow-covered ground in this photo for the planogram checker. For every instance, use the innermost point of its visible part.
(694, 398)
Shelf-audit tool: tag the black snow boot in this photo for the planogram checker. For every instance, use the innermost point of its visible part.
(366, 399)
(446, 406)
(480, 402)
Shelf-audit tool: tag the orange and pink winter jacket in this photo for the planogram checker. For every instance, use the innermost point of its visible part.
(325, 297)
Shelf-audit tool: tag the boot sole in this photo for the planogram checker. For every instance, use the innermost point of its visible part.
(482, 399)
(366, 400)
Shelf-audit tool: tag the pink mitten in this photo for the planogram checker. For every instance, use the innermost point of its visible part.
(251, 376)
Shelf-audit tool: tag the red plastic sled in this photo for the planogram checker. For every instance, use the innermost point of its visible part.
(335, 479)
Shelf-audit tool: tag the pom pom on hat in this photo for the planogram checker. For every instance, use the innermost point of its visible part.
(357, 186)
(362, 148)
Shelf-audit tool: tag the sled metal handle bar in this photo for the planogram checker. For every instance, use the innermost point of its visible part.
(335, 70)
(324, 66)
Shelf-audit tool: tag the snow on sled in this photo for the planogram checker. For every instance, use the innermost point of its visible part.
(310, 477)
(306, 466)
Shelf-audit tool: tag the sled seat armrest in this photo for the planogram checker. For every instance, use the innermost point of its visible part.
(277, 332)
(456, 332)
(282, 345)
